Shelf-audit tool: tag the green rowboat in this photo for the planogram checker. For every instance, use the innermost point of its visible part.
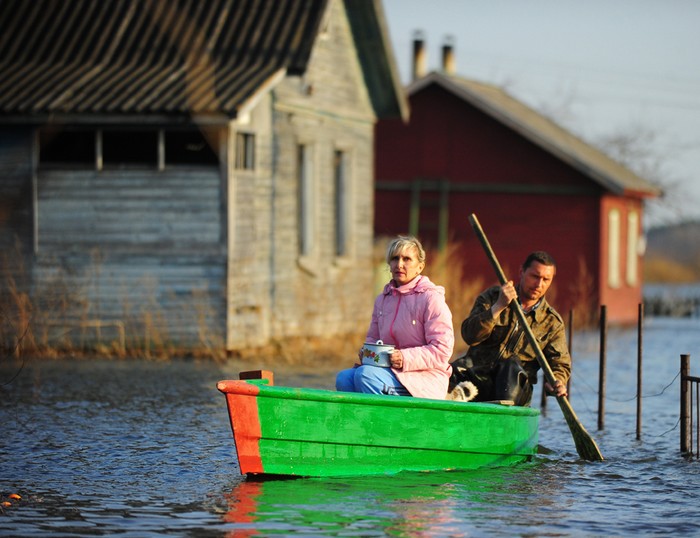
(320, 433)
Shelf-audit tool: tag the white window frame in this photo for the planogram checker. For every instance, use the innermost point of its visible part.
(245, 151)
(306, 199)
(343, 198)
(632, 269)
(614, 250)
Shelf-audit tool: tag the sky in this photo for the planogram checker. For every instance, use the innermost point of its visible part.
(603, 69)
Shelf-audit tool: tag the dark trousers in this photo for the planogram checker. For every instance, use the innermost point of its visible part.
(504, 379)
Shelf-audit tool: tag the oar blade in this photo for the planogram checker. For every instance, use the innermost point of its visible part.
(586, 447)
(585, 444)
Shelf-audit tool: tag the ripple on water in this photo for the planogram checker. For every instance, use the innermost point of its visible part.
(133, 448)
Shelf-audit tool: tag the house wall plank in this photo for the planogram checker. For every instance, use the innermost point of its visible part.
(142, 248)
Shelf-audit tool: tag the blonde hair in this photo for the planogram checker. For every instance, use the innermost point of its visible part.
(403, 242)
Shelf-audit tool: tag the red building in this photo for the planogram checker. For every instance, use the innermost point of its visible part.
(470, 147)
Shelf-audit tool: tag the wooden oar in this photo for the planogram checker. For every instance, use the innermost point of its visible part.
(585, 445)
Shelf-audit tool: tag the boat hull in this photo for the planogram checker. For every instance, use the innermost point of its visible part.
(312, 432)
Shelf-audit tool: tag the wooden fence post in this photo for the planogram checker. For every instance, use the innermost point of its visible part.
(640, 331)
(601, 372)
(685, 405)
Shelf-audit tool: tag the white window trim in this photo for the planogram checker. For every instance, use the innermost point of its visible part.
(614, 250)
(245, 152)
(344, 205)
(308, 206)
(632, 272)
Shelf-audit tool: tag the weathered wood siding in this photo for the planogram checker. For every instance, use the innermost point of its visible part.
(328, 109)
(15, 191)
(250, 227)
(211, 256)
(274, 292)
(142, 248)
(16, 232)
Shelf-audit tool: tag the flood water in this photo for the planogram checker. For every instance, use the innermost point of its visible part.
(138, 448)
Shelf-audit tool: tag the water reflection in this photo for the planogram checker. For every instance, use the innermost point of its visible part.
(139, 448)
(407, 504)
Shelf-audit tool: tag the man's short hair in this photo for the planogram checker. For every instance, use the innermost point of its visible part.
(539, 256)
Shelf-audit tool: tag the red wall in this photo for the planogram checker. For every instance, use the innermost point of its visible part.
(449, 139)
(622, 302)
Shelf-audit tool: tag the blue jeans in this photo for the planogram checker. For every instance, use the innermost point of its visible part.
(371, 380)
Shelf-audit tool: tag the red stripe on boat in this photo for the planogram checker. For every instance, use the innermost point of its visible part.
(241, 399)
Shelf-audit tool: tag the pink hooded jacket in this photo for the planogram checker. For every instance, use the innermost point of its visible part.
(416, 319)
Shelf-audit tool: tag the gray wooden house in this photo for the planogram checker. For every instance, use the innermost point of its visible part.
(191, 172)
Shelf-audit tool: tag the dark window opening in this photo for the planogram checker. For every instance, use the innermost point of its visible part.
(190, 147)
(130, 148)
(245, 151)
(341, 201)
(133, 148)
(67, 147)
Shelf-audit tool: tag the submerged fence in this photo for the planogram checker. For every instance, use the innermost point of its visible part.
(690, 398)
(689, 391)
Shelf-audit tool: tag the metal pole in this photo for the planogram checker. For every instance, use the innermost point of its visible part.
(685, 404)
(543, 396)
(601, 373)
(640, 330)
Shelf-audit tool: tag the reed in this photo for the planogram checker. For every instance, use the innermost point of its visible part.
(583, 298)
(59, 319)
(446, 268)
(663, 270)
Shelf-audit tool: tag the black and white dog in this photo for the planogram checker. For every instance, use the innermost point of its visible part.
(465, 391)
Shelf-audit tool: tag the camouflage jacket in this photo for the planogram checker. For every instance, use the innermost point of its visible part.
(490, 339)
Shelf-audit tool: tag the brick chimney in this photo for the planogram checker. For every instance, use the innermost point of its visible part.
(448, 55)
(419, 56)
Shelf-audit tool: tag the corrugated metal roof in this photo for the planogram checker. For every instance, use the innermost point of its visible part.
(542, 131)
(377, 57)
(148, 56)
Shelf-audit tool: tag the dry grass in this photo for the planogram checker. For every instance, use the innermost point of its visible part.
(446, 269)
(582, 293)
(58, 320)
(658, 269)
(337, 350)
(26, 325)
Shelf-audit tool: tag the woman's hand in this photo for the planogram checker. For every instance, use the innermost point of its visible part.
(396, 359)
(359, 356)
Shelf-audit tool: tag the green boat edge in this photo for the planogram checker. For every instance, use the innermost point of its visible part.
(306, 432)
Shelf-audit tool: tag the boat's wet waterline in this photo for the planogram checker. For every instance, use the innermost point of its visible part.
(137, 448)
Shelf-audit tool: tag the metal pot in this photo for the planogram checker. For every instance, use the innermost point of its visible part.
(378, 354)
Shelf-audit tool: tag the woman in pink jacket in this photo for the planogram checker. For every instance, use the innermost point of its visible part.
(411, 313)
